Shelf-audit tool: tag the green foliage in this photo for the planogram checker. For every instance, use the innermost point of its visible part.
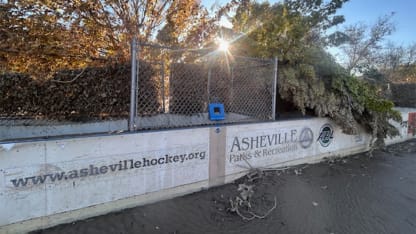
(308, 76)
(284, 29)
(369, 109)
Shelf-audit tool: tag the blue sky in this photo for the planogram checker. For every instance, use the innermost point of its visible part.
(367, 11)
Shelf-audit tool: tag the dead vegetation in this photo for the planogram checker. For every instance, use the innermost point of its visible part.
(78, 95)
(242, 206)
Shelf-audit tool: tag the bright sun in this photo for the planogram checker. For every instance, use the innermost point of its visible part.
(223, 45)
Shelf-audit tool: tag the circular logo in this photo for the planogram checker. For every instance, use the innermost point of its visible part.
(306, 138)
(326, 135)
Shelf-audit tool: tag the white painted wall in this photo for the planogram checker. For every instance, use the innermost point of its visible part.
(301, 143)
(402, 127)
(45, 204)
(23, 160)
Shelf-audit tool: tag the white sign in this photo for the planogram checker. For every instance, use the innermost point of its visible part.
(261, 145)
(267, 144)
(81, 172)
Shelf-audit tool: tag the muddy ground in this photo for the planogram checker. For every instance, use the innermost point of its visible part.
(357, 194)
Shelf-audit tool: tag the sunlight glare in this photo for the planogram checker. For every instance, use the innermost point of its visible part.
(223, 45)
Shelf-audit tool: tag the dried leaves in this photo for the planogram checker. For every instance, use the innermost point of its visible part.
(42, 37)
(88, 94)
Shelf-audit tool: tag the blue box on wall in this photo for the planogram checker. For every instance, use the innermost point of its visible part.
(216, 111)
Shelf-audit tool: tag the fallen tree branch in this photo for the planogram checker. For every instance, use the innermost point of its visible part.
(235, 205)
(267, 213)
(70, 81)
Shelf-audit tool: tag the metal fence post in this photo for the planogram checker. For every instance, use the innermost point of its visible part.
(163, 86)
(232, 86)
(137, 77)
(274, 89)
(133, 90)
(209, 84)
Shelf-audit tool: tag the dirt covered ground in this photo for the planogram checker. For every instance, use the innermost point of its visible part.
(357, 194)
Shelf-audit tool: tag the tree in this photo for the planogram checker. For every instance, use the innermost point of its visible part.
(309, 77)
(392, 63)
(41, 36)
(33, 39)
(362, 42)
(398, 63)
(284, 29)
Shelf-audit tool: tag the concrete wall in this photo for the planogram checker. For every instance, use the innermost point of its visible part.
(10, 130)
(403, 127)
(44, 183)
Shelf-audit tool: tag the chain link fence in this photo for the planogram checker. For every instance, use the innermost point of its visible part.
(189, 80)
(171, 88)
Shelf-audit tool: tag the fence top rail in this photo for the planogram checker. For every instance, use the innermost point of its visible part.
(175, 49)
(206, 49)
(255, 59)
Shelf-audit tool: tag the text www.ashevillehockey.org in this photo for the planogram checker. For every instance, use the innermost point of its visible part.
(93, 170)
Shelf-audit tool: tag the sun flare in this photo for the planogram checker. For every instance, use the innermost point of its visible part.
(223, 45)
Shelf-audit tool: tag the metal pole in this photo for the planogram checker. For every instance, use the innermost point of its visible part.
(133, 89)
(274, 89)
(163, 86)
(209, 83)
(170, 79)
(137, 83)
(232, 88)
